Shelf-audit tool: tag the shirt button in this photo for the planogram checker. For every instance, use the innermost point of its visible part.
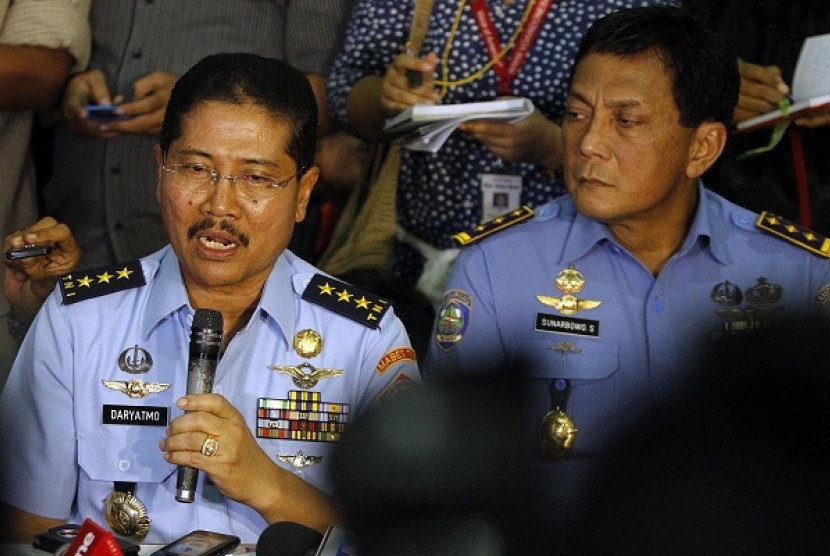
(115, 170)
(745, 219)
(659, 306)
(123, 464)
(137, 52)
(662, 384)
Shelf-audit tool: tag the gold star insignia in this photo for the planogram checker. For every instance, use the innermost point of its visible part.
(772, 220)
(362, 303)
(810, 236)
(370, 316)
(790, 228)
(124, 273)
(85, 281)
(344, 296)
(326, 289)
(105, 277)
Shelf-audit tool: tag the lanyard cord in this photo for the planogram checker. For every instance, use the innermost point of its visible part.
(444, 82)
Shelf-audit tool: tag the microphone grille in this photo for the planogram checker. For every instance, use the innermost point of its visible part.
(210, 319)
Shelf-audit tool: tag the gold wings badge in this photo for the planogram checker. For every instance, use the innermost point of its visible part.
(569, 282)
(305, 375)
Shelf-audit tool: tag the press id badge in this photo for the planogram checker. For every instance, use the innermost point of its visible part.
(500, 194)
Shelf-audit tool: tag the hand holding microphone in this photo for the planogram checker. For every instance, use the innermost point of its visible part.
(205, 342)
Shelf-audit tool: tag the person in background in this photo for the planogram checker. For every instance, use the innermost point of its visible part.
(767, 36)
(28, 282)
(604, 304)
(102, 171)
(41, 43)
(302, 353)
(472, 51)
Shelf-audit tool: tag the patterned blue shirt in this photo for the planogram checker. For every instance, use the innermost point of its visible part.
(440, 194)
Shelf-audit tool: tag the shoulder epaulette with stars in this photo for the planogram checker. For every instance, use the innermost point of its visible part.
(346, 300)
(86, 284)
(799, 235)
(495, 225)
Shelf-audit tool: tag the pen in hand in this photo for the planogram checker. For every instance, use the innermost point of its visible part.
(413, 77)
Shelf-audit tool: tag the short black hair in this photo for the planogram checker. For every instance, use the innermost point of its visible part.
(240, 78)
(704, 70)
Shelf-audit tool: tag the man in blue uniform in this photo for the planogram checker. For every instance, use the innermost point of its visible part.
(95, 406)
(605, 301)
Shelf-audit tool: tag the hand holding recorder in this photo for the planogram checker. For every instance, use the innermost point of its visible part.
(35, 257)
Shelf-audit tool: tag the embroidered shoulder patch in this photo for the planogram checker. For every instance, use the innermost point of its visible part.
(87, 284)
(346, 300)
(495, 225)
(792, 232)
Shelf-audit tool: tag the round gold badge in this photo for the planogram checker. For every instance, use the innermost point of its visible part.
(127, 516)
(308, 343)
(557, 433)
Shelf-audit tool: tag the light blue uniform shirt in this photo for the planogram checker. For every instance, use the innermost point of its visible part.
(637, 351)
(52, 411)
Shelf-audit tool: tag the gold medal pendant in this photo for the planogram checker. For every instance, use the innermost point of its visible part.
(556, 434)
(127, 515)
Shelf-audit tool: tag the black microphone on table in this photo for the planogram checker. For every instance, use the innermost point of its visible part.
(205, 341)
(287, 538)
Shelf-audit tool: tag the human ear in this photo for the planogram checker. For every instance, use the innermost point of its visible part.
(305, 187)
(707, 145)
(159, 162)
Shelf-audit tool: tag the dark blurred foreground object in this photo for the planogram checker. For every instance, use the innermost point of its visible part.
(434, 471)
(741, 471)
(286, 538)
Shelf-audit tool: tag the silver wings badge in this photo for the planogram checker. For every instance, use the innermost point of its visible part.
(299, 459)
(136, 388)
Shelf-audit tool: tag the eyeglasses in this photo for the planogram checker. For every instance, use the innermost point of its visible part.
(200, 178)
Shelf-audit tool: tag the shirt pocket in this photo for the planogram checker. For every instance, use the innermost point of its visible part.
(588, 363)
(592, 371)
(132, 456)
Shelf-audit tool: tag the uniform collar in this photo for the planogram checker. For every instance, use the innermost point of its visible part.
(278, 300)
(712, 226)
(169, 295)
(708, 228)
(583, 235)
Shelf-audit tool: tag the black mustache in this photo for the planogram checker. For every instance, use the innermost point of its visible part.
(208, 223)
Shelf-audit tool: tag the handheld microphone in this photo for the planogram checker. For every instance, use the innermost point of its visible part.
(287, 538)
(205, 341)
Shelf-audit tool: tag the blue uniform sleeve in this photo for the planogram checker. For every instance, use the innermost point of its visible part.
(467, 336)
(389, 365)
(37, 423)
